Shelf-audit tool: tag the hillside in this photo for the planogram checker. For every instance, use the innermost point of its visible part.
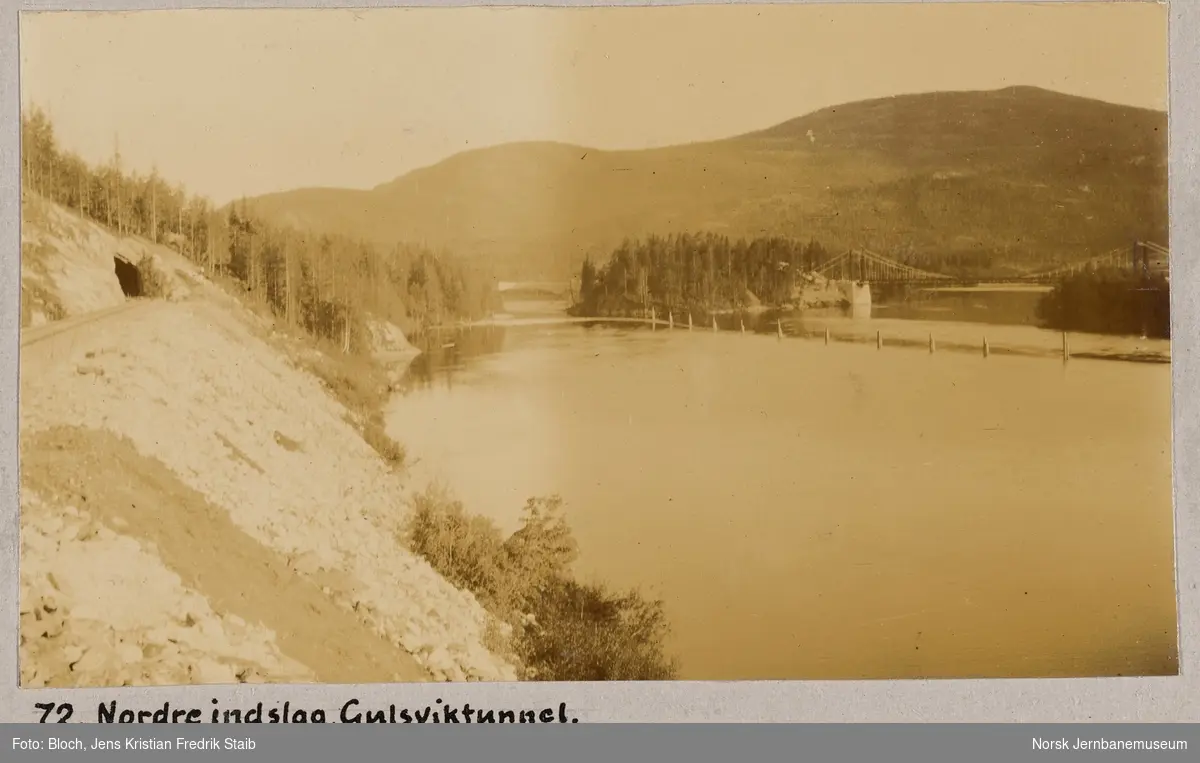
(195, 506)
(68, 265)
(1013, 179)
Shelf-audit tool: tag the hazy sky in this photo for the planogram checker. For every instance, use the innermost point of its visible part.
(245, 102)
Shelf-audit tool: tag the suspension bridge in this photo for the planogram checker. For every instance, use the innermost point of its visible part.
(865, 266)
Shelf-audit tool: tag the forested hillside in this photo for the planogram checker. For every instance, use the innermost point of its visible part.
(324, 283)
(986, 182)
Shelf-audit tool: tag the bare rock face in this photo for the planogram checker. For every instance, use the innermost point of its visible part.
(388, 339)
(815, 291)
(67, 263)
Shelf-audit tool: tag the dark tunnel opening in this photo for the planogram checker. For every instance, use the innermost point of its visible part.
(130, 278)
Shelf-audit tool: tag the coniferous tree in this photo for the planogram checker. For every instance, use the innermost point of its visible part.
(325, 285)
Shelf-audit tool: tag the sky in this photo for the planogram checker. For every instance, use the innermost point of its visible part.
(242, 102)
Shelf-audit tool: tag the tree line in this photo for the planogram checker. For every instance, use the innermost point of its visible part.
(324, 284)
(711, 272)
(703, 271)
(1110, 301)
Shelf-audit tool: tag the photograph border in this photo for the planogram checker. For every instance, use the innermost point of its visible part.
(1166, 699)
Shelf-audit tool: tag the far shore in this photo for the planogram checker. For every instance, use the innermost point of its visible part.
(947, 335)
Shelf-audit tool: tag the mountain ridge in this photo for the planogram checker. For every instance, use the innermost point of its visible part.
(1014, 178)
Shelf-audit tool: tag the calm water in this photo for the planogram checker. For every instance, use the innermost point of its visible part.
(812, 511)
(1001, 305)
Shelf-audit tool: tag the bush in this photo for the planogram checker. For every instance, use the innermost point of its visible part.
(466, 550)
(154, 281)
(540, 553)
(563, 630)
(388, 449)
(586, 633)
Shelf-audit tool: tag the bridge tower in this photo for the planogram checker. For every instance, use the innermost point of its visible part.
(858, 295)
(853, 271)
(1150, 258)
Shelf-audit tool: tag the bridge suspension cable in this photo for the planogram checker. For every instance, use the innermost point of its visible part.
(865, 265)
(1113, 258)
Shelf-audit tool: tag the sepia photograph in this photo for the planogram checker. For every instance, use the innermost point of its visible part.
(682, 343)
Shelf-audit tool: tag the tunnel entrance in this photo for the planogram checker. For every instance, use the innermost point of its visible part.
(128, 275)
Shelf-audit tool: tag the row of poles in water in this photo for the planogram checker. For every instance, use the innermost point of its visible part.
(987, 349)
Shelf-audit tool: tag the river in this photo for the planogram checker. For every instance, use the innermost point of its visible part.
(829, 511)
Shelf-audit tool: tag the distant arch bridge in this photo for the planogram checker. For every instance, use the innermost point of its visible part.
(552, 287)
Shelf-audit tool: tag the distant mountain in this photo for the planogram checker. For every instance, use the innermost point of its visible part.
(1020, 177)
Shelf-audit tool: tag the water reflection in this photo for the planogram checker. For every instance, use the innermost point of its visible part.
(1009, 306)
(812, 511)
(444, 353)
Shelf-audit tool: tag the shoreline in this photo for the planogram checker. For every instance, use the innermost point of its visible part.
(281, 466)
(898, 332)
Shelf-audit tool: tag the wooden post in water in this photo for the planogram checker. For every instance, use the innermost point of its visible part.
(779, 329)
(714, 323)
(827, 337)
(1066, 348)
(689, 321)
(932, 345)
(986, 350)
(743, 325)
(879, 340)
(653, 319)
(670, 319)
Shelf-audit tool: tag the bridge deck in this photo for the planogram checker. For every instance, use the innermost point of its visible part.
(867, 266)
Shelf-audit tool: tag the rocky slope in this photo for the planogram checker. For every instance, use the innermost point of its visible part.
(197, 509)
(68, 265)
